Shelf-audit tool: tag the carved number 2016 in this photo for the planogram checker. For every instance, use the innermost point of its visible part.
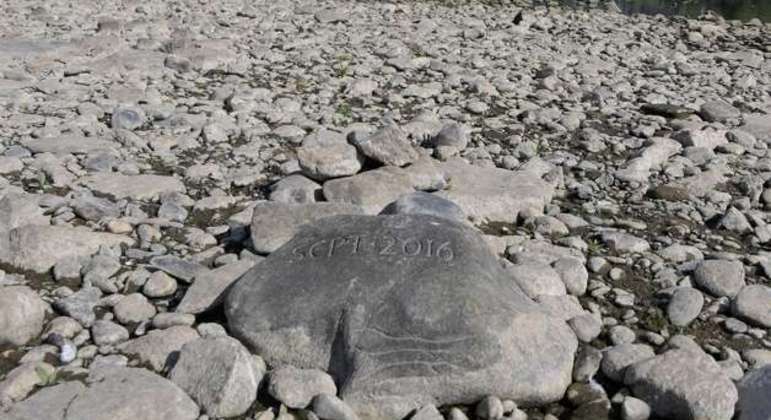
(386, 245)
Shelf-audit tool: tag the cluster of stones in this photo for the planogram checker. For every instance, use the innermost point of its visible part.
(336, 210)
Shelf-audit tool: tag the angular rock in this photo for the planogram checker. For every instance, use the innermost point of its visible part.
(718, 111)
(159, 348)
(325, 155)
(371, 190)
(295, 387)
(401, 310)
(80, 305)
(135, 187)
(220, 374)
(178, 268)
(208, 289)
(295, 189)
(707, 137)
(273, 224)
(22, 314)
(493, 194)
(389, 146)
(683, 384)
(39, 248)
(616, 359)
(133, 309)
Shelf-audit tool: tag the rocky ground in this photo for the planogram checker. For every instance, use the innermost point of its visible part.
(601, 182)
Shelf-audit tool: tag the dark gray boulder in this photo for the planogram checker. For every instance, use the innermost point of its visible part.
(402, 311)
(424, 203)
(754, 390)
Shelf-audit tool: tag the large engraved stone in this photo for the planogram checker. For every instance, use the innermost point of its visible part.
(403, 311)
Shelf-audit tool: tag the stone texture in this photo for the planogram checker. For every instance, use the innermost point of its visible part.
(683, 384)
(449, 294)
(273, 224)
(720, 277)
(388, 145)
(39, 248)
(109, 393)
(685, 306)
(208, 289)
(135, 187)
(22, 314)
(295, 387)
(371, 190)
(220, 374)
(493, 194)
(754, 389)
(753, 303)
(159, 349)
(425, 203)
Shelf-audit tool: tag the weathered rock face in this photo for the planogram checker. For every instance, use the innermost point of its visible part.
(494, 194)
(403, 311)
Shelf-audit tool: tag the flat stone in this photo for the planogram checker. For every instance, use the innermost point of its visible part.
(389, 145)
(754, 389)
(295, 189)
(80, 305)
(108, 333)
(135, 187)
(274, 224)
(625, 243)
(402, 310)
(38, 248)
(109, 393)
(177, 267)
(492, 194)
(295, 387)
(22, 314)
(718, 111)
(536, 279)
(683, 384)
(133, 309)
(69, 145)
(720, 277)
(209, 287)
(759, 125)
(159, 349)
(371, 190)
(330, 407)
(220, 374)
(753, 304)
(421, 202)
(616, 359)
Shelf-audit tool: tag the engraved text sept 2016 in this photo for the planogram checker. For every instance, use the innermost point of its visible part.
(384, 245)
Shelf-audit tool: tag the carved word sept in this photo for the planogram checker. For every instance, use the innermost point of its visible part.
(381, 245)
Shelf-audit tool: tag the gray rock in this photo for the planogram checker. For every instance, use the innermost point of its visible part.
(329, 407)
(159, 285)
(587, 327)
(624, 243)
(128, 118)
(718, 111)
(587, 364)
(389, 145)
(133, 309)
(573, 274)
(427, 412)
(295, 189)
(536, 278)
(39, 248)
(324, 155)
(616, 359)
(683, 384)
(220, 374)
(451, 135)
(753, 304)
(707, 137)
(635, 409)
(109, 393)
(424, 203)
(62, 145)
(493, 194)
(685, 306)
(754, 389)
(295, 387)
(720, 277)
(428, 284)
(159, 349)
(490, 408)
(22, 380)
(94, 208)
(135, 187)
(273, 224)
(108, 333)
(371, 190)
(80, 305)
(177, 267)
(208, 289)
(22, 314)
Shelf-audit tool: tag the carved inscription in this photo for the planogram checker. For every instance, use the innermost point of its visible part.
(380, 245)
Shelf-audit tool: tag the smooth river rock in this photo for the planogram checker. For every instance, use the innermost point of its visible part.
(402, 311)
